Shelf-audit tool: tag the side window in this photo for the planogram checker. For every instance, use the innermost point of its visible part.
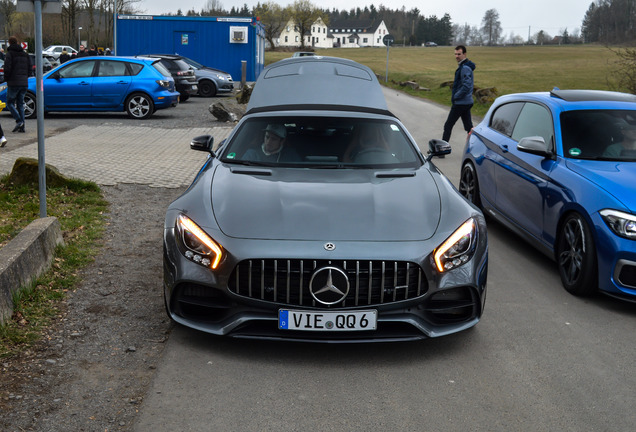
(136, 68)
(112, 68)
(534, 120)
(503, 120)
(78, 70)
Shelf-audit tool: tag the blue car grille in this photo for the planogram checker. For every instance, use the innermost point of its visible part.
(286, 281)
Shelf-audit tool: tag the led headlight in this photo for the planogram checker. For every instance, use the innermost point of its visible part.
(458, 248)
(623, 224)
(196, 245)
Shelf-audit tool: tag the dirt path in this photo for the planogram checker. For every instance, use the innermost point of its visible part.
(93, 368)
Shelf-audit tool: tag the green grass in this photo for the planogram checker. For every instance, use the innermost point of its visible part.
(508, 69)
(81, 211)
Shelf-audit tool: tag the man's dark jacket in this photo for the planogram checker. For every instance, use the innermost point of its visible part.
(16, 66)
(462, 93)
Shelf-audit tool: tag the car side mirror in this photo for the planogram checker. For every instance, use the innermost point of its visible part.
(438, 147)
(203, 143)
(534, 145)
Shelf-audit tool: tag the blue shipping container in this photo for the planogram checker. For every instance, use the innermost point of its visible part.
(218, 42)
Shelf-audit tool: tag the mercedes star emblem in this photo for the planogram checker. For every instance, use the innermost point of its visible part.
(329, 285)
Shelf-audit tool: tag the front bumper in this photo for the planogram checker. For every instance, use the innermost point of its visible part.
(209, 301)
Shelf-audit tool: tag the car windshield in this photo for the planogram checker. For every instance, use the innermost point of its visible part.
(321, 142)
(599, 134)
(193, 63)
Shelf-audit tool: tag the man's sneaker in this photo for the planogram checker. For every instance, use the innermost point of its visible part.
(19, 127)
(3, 141)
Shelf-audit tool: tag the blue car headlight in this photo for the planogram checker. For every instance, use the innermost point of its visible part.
(196, 245)
(623, 224)
(457, 249)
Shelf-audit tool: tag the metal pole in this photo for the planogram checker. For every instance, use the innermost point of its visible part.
(40, 107)
(115, 30)
(79, 37)
(386, 79)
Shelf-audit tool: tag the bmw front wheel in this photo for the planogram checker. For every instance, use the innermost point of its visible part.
(468, 184)
(139, 106)
(576, 256)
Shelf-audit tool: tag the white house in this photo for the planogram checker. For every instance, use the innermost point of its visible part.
(358, 33)
(316, 37)
(345, 34)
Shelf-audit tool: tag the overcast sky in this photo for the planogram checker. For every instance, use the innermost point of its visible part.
(516, 17)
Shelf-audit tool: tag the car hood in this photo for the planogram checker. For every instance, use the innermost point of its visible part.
(617, 178)
(216, 71)
(298, 204)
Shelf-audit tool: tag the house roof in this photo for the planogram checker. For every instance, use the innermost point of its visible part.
(356, 26)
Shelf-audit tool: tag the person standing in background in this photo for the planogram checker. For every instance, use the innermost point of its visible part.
(16, 75)
(64, 57)
(462, 94)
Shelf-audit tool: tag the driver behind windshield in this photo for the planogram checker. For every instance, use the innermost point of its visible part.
(273, 148)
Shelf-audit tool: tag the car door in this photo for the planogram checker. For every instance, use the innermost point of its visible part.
(70, 86)
(496, 141)
(110, 84)
(523, 179)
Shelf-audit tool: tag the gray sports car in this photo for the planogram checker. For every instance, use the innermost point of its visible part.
(319, 219)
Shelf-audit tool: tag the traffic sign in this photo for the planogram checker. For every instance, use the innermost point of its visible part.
(24, 45)
(388, 40)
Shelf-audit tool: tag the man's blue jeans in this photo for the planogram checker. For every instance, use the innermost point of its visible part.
(15, 102)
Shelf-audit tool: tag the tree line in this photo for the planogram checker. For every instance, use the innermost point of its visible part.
(610, 22)
(409, 27)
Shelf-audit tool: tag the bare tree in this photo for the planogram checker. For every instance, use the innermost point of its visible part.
(622, 76)
(213, 8)
(491, 27)
(7, 9)
(304, 14)
(70, 20)
(274, 18)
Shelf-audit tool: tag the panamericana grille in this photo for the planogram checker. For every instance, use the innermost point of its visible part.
(286, 281)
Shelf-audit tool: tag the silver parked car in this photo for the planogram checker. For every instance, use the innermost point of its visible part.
(319, 219)
(210, 81)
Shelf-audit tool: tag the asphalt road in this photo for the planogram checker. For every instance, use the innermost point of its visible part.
(540, 359)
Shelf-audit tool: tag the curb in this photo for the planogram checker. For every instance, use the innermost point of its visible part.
(25, 258)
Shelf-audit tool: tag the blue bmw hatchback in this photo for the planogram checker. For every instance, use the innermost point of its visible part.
(138, 86)
(559, 169)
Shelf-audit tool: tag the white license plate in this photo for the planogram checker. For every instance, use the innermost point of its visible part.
(327, 321)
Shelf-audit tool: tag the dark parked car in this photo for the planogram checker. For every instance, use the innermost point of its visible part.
(134, 85)
(559, 169)
(184, 76)
(46, 64)
(209, 80)
(319, 219)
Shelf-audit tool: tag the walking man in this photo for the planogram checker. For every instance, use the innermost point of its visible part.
(16, 75)
(462, 94)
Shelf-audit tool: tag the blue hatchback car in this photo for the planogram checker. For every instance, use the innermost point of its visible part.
(138, 86)
(559, 169)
